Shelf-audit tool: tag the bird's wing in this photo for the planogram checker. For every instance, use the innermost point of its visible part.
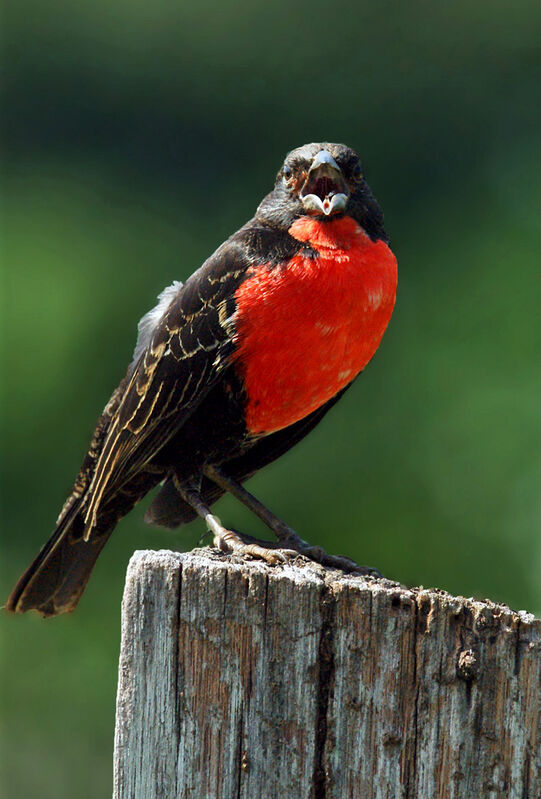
(179, 357)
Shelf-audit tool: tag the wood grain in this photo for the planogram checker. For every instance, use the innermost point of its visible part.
(239, 680)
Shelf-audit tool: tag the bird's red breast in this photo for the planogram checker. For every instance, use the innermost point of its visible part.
(306, 329)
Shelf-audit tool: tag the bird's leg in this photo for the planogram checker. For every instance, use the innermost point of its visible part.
(224, 539)
(286, 536)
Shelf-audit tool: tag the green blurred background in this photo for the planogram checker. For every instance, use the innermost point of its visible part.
(137, 136)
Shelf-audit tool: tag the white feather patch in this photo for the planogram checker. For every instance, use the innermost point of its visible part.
(148, 323)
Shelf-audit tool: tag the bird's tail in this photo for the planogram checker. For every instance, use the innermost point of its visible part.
(55, 580)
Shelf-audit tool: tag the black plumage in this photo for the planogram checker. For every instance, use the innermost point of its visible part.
(181, 405)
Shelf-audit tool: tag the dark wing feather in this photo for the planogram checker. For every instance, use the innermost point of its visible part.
(186, 354)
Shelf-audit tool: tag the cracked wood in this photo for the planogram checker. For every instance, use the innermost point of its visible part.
(239, 680)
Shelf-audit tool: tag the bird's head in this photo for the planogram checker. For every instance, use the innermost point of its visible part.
(325, 181)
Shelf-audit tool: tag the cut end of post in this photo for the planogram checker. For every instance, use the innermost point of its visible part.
(242, 679)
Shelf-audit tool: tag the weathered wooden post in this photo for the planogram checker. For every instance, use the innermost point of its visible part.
(241, 680)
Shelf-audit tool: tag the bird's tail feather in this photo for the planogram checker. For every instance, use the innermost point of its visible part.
(55, 580)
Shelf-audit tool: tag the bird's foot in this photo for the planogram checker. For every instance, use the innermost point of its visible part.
(289, 543)
(246, 546)
(331, 561)
(289, 538)
(289, 546)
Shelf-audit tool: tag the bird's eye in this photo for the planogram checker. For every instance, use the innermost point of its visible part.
(287, 172)
(357, 172)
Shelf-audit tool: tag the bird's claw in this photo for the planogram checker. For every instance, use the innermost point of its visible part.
(290, 546)
(246, 546)
(319, 555)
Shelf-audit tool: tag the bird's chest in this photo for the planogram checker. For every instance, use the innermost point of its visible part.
(306, 329)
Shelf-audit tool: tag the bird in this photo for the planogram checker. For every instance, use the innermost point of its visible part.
(230, 370)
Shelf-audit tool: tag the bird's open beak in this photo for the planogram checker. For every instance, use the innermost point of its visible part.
(325, 190)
